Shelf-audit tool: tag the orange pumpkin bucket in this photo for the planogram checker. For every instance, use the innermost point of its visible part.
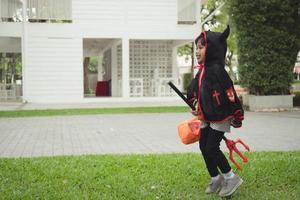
(189, 131)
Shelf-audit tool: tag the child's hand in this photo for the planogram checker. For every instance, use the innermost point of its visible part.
(196, 111)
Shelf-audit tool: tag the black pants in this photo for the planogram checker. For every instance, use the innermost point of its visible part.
(210, 147)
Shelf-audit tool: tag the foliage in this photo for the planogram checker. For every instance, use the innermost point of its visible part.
(219, 19)
(296, 82)
(296, 99)
(185, 50)
(187, 78)
(164, 176)
(297, 94)
(10, 67)
(93, 65)
(218, 23)
(268, 42)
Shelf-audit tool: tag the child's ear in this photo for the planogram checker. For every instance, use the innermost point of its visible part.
(225, 34)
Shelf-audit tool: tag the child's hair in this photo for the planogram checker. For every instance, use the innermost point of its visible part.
(201, 39)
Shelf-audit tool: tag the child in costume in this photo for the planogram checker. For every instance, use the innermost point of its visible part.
(218, 108)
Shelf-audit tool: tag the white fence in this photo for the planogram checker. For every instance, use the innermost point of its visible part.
(10, 91)
(160, 87)
(136, 87)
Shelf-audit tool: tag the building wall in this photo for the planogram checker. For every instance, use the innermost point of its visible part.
(53, 70)
(136, 19)
(118, 12)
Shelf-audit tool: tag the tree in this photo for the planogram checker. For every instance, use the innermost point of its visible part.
(10, 67)
(268, 42)
(218, 22)
(86, 62)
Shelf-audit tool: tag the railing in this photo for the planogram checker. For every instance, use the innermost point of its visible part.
(10, 91)
(136, 87)
(160, 87)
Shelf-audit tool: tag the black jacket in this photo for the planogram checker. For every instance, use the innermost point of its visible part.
(212, 86)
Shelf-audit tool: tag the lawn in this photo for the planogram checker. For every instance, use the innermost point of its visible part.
(268, 175)
(296, 82)
(91, 111)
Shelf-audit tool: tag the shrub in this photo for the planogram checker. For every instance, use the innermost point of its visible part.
(186, 80)
(268, 42)
(296, 99)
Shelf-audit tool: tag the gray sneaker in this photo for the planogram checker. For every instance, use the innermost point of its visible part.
(214, 186)
(230, 185)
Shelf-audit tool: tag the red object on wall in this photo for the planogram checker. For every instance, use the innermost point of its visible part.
(102, 88)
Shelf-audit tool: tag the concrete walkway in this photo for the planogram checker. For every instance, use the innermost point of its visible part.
(134, 133)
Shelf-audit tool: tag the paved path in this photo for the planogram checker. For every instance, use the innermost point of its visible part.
(134, 133)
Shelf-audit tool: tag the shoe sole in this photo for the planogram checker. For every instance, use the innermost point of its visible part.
(217, 191)
(234, 189)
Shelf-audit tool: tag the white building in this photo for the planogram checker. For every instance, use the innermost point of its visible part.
(134, 41)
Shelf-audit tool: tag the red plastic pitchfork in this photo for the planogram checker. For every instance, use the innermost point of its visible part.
(231, 145)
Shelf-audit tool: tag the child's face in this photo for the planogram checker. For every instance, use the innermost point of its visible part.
(200, 53)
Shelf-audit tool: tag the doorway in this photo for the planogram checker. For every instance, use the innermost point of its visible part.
(101, 67)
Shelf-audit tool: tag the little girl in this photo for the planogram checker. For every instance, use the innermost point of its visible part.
(218, 107)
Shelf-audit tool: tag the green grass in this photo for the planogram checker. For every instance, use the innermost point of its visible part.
(296, 82)
(88, 111)
(268, 175)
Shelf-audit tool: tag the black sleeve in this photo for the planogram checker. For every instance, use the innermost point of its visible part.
(192, 90)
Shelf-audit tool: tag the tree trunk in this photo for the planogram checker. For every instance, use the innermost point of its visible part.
(85, 71)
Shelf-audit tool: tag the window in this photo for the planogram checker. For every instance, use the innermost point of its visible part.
(186, 11)
(49, 10)
(53, 11)
(10, 10)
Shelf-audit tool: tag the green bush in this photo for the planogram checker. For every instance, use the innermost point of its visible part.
(296, 99)
(186, 80)
(297, 94)
(268, 41)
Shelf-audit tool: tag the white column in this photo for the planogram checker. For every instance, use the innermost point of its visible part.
(125, 67)
(198, 10)
(24, 38)
(175, 69)
(114, 71)
(100, 67)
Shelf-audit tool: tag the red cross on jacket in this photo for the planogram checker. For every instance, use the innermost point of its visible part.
(216, 95)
